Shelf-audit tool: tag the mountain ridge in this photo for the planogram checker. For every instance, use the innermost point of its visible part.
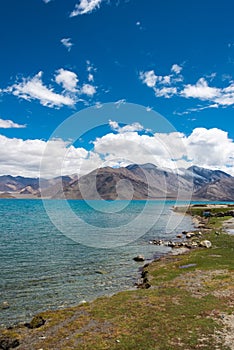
(135, 181)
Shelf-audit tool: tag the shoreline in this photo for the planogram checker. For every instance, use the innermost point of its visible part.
(170, 256)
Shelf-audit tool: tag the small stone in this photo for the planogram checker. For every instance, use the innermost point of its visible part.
(179, 235)
(101, 272)
(205, 244)
(5, 305)
(190, 235)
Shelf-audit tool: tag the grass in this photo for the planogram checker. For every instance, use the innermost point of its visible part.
(182, 310)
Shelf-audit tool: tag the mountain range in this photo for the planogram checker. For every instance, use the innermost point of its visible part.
(135, 181)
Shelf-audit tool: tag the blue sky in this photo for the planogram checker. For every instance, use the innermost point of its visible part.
(59, 57)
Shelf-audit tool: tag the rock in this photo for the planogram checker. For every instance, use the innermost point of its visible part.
(190, 234)
(144, 285)
(7, 343)
(139, 258)
(36, 322)
(5, 305)
(179, 235)
(144, 273)
(201, 226)
(205, 244)
(221, 214)
(101, 272)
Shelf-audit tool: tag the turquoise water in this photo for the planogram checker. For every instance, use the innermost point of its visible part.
(41, 268)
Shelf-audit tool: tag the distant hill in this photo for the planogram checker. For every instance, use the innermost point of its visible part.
(148, 181)
(24, 187)
(222, 190)
(135, 181)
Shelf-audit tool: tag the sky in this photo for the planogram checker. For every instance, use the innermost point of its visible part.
(173, 59)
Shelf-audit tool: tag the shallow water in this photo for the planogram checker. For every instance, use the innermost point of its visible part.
(41, 268)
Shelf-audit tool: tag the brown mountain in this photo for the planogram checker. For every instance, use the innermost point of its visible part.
(108, 183)
(133, 182)
(148, 181)
(220, 190)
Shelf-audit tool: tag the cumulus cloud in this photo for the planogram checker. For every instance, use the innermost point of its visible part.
(201, 90)
(23, 157)
(208, 148)
(126, 128)
(9, 124)
(166, 92)
(34, 89)
(176, 68)
(67, 43)
(172, 85)
(211, 148)
(163, 85)
(149, 78)
(85, 7)
(67, 79)
(88, 89)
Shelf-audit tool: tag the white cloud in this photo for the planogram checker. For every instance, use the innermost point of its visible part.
(23, 157)
(90, 78)
(46, 1)
(34, 89)
(208, 148)
(88, 89)
(149, 78)
(163, 86)
(176, 69)
(8, 124)
(172, 85)
(67, 43)
(166, 92)
(126, 128)
(67, 79)
(85, 7)
(211, 148)
(201, 90)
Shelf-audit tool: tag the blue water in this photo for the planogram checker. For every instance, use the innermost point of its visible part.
(42, 268)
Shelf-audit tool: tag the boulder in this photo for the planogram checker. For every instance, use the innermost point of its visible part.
(139, 258)
(205, 244)
(36, 322)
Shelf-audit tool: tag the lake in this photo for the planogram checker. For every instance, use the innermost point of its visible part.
(43, 267)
